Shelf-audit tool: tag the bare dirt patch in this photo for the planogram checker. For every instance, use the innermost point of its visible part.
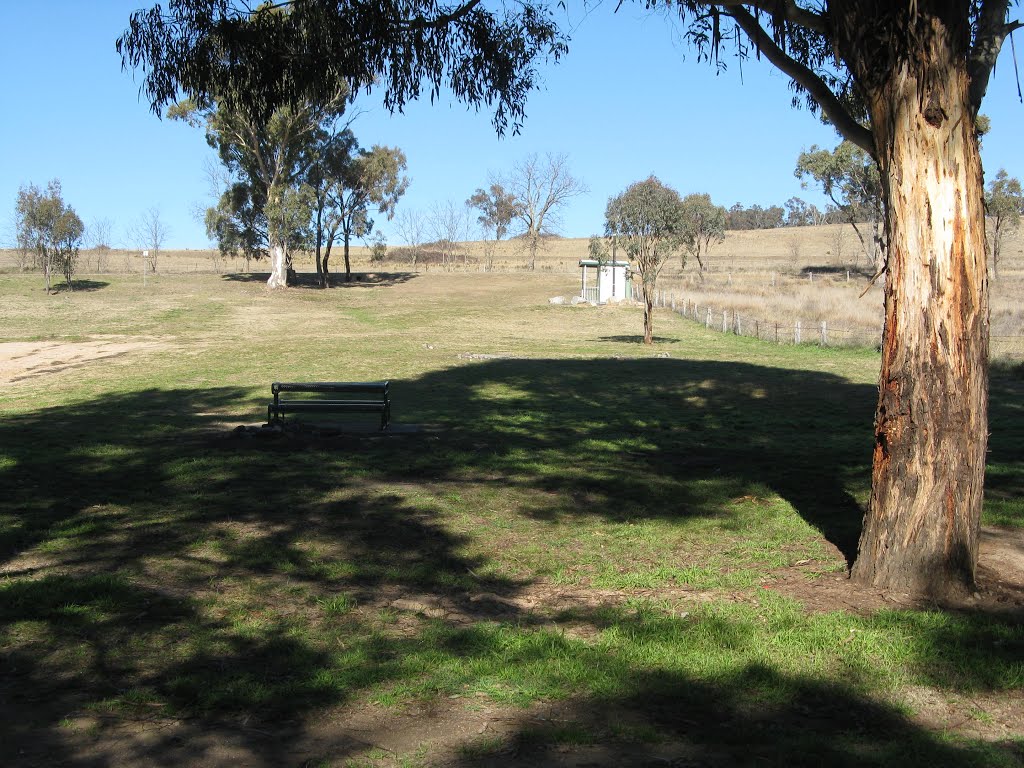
(1000, 582)
(25, 360)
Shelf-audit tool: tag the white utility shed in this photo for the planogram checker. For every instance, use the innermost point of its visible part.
(610, 281)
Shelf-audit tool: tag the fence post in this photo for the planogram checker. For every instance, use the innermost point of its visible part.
(739, 325)
(707, 319)
(824, 333)
(757, 329)
(810, 277)
(796, 333)
(673, 302)
(725, 321)
(776, 333)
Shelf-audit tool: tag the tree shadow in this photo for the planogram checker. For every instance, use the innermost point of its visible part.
(83, 285)
(309, 280)
(153, 559)
(637, 339)
(838, 269)
(754, 715)
(705, 433)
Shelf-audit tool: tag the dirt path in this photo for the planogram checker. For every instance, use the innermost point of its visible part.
(26, 360)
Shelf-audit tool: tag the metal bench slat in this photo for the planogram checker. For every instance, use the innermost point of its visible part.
(313, 405)
(330, 386)
(380, 404)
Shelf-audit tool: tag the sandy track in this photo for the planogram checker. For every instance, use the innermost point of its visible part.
(26, 360)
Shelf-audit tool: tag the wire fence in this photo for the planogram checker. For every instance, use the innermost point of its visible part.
(795, 331)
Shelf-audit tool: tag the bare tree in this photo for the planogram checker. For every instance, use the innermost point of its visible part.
(150, 233)
(23, 245)
(542, 186)
(449, 227)
(412, 228)
(98, 235)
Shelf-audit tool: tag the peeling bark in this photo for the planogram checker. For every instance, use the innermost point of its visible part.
(920, 533)
(278, 268)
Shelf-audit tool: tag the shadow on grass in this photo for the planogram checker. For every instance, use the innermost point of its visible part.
(663, 438)
(155, 563)
(638, 339)
(85, 286)
(833, 269)
(309, 280)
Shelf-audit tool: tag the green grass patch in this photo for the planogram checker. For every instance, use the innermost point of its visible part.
(157, 562)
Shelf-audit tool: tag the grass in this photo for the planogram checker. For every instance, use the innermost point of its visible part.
(156, 565)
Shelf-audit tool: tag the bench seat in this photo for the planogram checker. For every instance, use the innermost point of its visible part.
(373, 397)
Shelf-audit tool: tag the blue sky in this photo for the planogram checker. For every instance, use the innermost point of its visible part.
(629, 100)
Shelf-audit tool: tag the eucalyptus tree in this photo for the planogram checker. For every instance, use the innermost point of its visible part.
(904, 80)
(1004, 203)
(267, 203)
(915, 71)
(50, 227)
(497, 209)
(648, 222)
(850, 178)
(704, 226)
(331, 155)
(372, 179)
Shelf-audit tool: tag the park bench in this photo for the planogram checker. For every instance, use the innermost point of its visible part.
(344, 397)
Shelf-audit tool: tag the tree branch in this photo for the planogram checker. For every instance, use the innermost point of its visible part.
(993, 30)
(821, 93)
(790, 11)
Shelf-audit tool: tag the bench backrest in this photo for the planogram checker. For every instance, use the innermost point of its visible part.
(354, 387)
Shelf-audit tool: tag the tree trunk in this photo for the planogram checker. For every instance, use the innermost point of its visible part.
(278, 269)
(325, 277)
(920, 533)
(648, 292)
(996, 237)
(319, 244)
(348, 264)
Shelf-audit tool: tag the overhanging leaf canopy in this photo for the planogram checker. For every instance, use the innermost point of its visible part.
(284, 53)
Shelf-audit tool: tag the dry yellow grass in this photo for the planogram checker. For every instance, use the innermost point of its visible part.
(771, 277)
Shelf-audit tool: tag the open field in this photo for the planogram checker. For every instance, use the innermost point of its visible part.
(581, 551)
(768, 279)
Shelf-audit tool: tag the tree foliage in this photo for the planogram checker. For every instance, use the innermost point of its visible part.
(704, 225)
(754, 217)
(850, 178)
(1004, 204)
(51, 228)
(648, 221)
(255, 61)
(267, 205)
(363, 181)
(497, 209)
